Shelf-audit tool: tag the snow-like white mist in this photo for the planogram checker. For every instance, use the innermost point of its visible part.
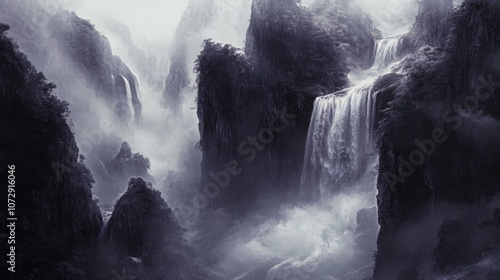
(150, 20)
(143, 34)
(333, 238)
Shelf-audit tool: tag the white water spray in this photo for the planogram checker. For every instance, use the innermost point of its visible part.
(387, 50)
(334, 236)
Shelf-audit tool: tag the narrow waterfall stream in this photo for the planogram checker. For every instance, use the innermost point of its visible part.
(129, 95)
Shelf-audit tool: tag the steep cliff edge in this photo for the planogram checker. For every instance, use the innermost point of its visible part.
(143, 239)
(53, 186)
(254, 107)
(72, 53)
(115, 174)
(439, 154)
(352, 29)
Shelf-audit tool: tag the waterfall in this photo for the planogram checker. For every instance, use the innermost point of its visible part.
(340, 176)
(333, 235)
(387, 50)
(340, 138)
(137, 86)
(129, 95)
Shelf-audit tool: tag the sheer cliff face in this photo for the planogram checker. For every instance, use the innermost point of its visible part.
(267, 17)
(221, 20)
(197, 16)
(430, 26)
(56, 199)
(144, 238)
(70, 51)
(288, 61)
(115, 173)
(437, 151)
(90, 53)
(352, 29)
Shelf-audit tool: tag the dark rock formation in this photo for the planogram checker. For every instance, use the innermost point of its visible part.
(431, 26)
(144, 239)
(70, 51)
(197, 16)
(351, 27)
(90, 53)
(437, 147)
(288, 61)
(177, 79)
(385, 88)
(115, 173)
(58, 220)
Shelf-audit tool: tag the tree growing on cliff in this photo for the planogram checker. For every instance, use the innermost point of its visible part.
(59, 221)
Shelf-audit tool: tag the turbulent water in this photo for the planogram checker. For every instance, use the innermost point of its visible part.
(386, 51)
(339, 140)
(334, 235)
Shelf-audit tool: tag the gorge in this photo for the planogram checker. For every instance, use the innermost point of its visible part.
(252, 139)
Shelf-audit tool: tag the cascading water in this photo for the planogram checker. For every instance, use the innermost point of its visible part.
(334, 236)
(138, 86)
(386, 51)
(340, 160)
(340, 138)
(129, 95)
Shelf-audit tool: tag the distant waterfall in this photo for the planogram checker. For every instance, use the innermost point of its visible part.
(129, 95)
(137, 86)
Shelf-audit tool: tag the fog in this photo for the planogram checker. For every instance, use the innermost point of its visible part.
(166, 138)
(335, 236)
(148, 20)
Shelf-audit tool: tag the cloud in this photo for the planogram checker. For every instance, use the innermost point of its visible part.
(152, 19)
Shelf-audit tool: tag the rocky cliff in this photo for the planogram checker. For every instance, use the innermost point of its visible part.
(437, 153)
(53, 195)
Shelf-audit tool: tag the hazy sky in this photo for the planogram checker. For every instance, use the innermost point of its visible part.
(391, 16)
(154, 19)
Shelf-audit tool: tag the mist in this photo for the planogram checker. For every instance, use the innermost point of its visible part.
(132, 81)
(150, 21)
